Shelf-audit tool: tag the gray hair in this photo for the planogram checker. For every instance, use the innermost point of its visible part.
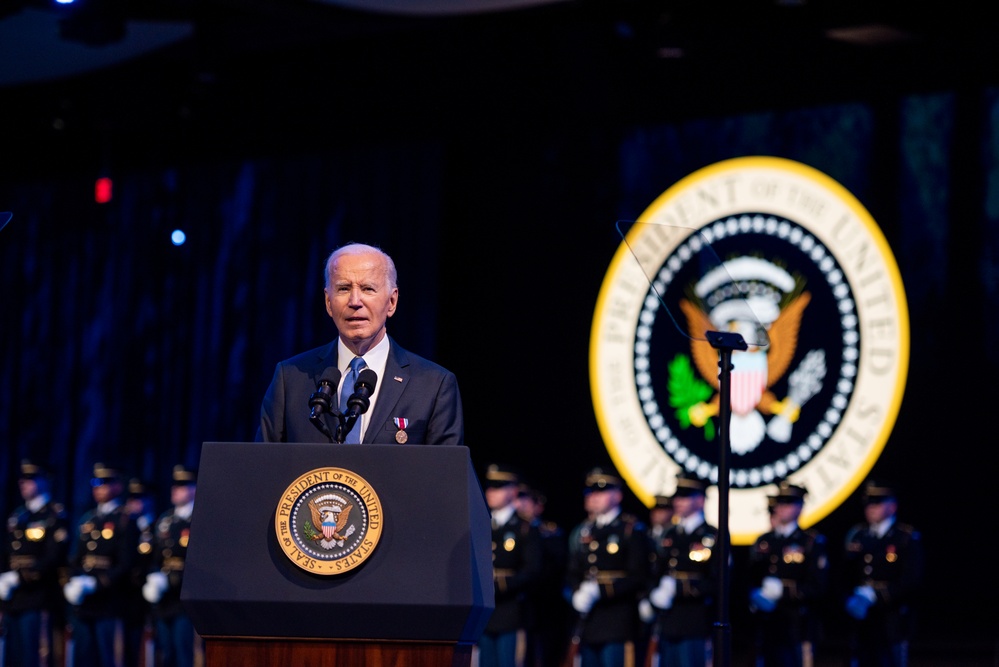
(362, 249)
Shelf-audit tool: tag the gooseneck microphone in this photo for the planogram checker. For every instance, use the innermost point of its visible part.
(358, 402)
(321, 402)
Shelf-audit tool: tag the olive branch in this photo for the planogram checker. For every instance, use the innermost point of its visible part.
(686, 390)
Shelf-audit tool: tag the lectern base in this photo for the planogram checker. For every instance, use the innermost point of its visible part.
(265, 652)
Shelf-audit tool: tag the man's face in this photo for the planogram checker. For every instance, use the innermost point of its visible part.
(786, 513)
(684, 506)
(360, 299)
(597, 501)
(661, 516)
(498, 497)
(181, 494)
(876, 512)
(28, 488)
(109, 490)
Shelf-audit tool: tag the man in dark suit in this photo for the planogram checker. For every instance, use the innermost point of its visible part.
(414, 400)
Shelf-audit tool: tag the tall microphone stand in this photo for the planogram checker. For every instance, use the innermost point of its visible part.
(724, 342)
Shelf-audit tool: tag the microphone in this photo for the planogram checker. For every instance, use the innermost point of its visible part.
(359, 401)
(320, 401)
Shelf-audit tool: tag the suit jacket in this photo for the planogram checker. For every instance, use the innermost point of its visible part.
(412, 388)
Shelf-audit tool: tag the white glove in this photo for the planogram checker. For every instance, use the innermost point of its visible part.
(78, 588)
(8, 582)
(646, 611)
(867, 593)
(662, 595)
(156, 584)
(861, 600)
(758, 601)
(585, 596)
(772, 588)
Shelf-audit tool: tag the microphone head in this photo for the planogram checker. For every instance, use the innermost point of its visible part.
(358, 402)
(367, 379)
(330, 376)
(325, 390)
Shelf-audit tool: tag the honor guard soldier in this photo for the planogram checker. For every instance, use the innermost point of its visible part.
(33, 553)
(685, 580)
(137, 631)
(517, 563)
(176, 642)
(101, 565)
(883, 566)
(548, 610)
(607, 569)
(660, 519)
(788, 576)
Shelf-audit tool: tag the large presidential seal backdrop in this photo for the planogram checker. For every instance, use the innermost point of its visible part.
(817, 404)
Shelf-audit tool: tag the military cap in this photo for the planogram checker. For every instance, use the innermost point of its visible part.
(182, 476)
(599, 479)
(689, 485)
(664, 502)
(789, 493)
(137, 488)
(105, 474)
(499, 475)
(33, 470)
(877, 491)
(527, 491)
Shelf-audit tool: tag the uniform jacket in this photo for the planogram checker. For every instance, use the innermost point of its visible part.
(413, 388)
(517, 567)
(892, 565)
(106, 548)
(801, 561)
(170, 541)
(36, 547)
(688, 558)
(616, 556)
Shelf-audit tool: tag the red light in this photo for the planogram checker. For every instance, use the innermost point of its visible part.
(102, 190)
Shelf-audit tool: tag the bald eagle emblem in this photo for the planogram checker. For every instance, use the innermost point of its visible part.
(777, 303)
(330, 513)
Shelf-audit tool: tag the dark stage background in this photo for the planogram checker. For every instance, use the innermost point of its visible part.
(491, 159)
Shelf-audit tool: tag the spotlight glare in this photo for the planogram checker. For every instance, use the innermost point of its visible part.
(177, 237)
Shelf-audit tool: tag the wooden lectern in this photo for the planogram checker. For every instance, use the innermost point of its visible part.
(421, 597)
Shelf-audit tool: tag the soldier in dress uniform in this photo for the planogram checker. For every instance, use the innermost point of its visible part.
(660, 519)
(100, 566)
(176, 642)
(517, 567)
(788, 576)
(607, 569)
(33, 553)
(883, 566)
(140, 506)
(547, 610)
(685, 580)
